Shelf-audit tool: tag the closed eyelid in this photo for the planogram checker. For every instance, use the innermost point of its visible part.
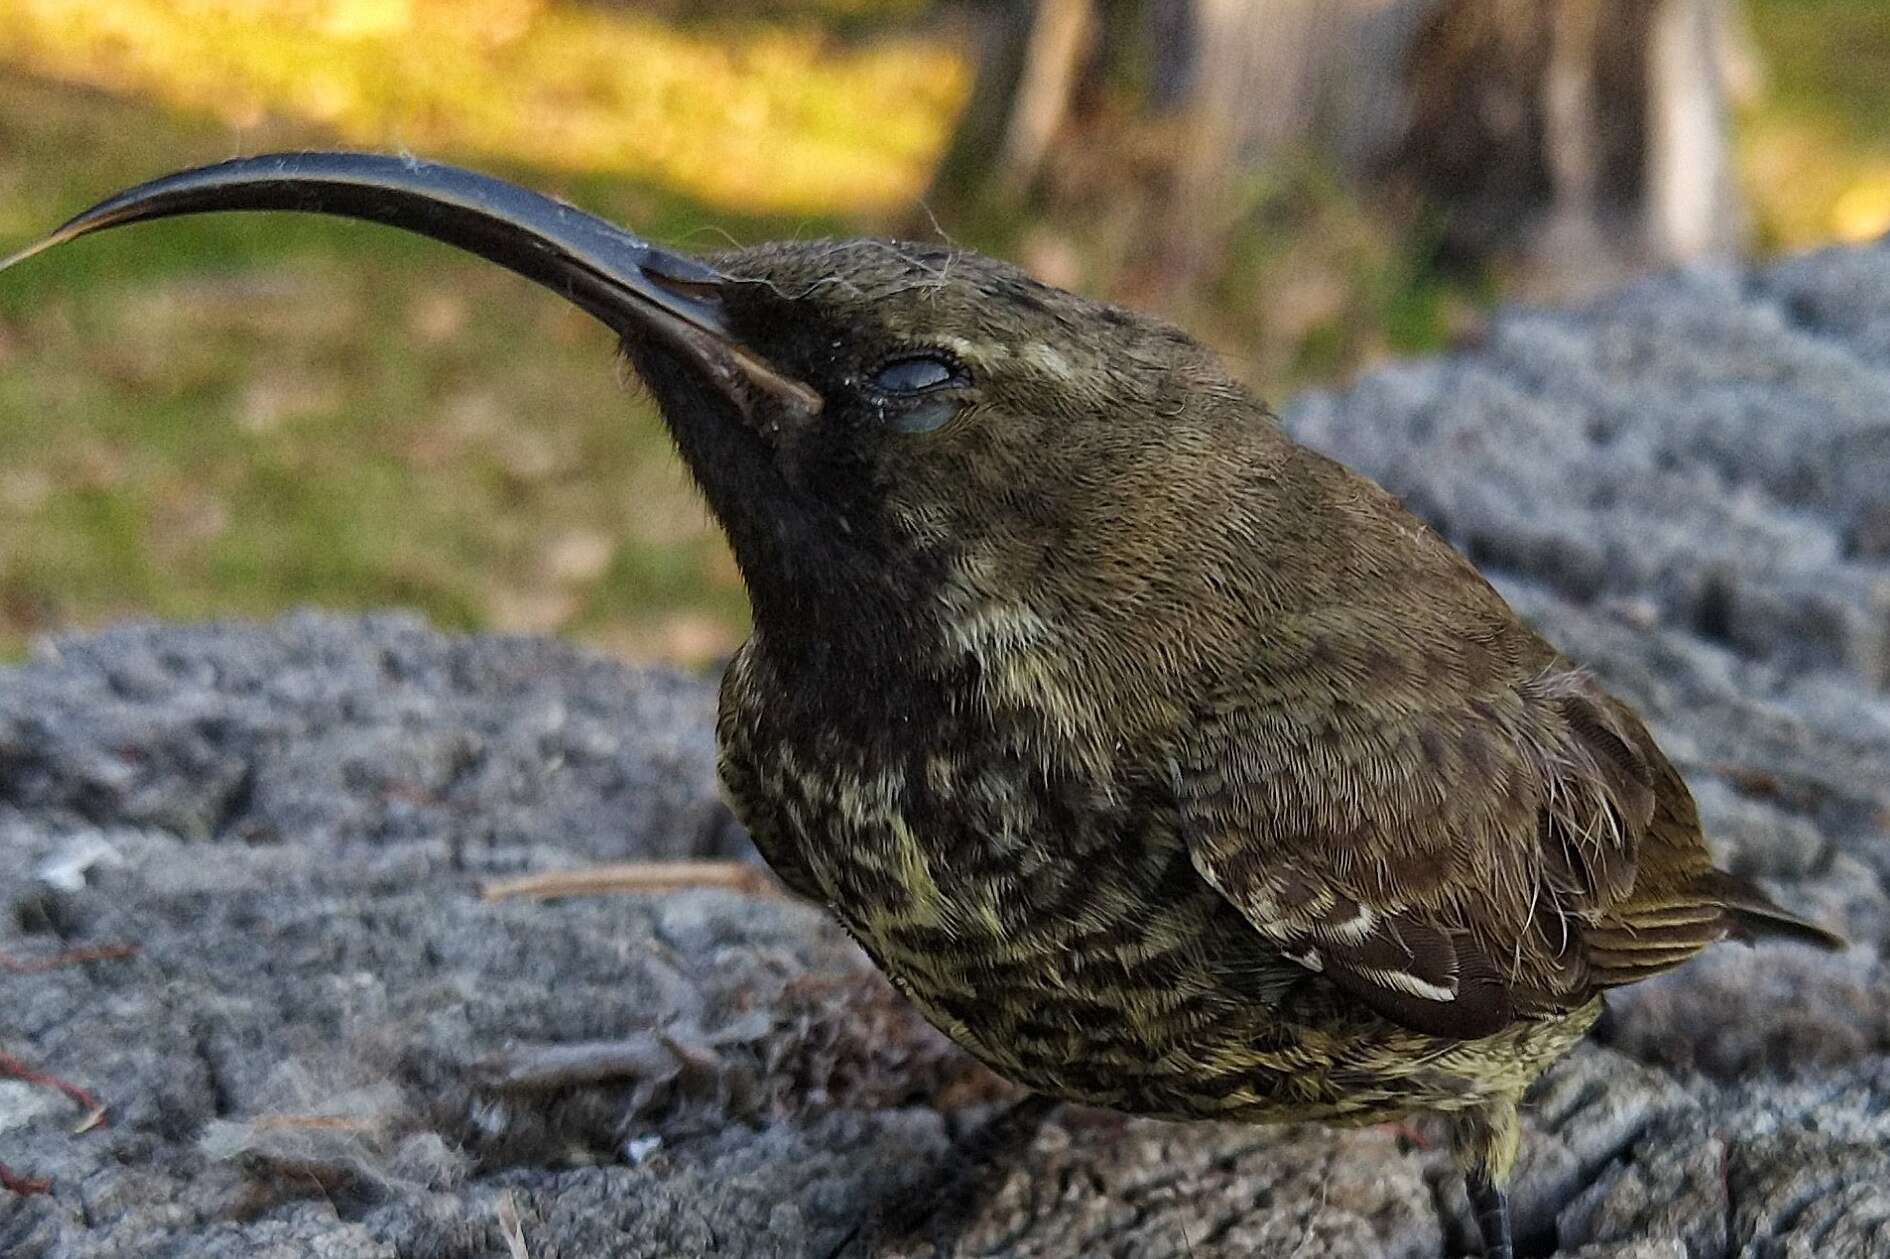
(917, 373)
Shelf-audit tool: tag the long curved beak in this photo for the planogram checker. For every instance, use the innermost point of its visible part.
(635, 288)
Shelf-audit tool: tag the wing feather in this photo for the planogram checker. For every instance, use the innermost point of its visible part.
(1409, 791)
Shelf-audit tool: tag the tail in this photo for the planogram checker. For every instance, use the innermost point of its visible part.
(1752, 915)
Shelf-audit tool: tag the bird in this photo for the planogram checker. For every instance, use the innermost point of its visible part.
(1162, 762)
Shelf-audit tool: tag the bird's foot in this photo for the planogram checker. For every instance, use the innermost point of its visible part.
(1491, 1204)
(637, 876)
(940, 1206)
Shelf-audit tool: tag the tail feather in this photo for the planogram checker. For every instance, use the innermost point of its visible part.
(1753, 915)
(1655, 935)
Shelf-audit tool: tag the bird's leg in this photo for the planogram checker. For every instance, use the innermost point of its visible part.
(941, 1203)
(1483, 1140)
(1491, 1204)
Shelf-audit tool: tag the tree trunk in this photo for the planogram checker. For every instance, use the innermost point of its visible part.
(1029, 59)
(1058, 39)
(1692, 202)
(1585, 136)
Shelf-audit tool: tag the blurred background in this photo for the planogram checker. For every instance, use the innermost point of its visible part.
(231, 415)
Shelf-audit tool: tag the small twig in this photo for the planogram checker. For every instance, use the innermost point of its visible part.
(636, 876)
(13, 1069)
(510, 1226)
(25, 1186)
(544, 1067)
(71, 957)
(1312, 1218)
(325, 1123)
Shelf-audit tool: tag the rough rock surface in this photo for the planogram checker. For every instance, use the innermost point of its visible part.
(329, 1044)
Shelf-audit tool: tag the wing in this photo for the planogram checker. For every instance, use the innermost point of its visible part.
(1440, 861)
(1413, 794)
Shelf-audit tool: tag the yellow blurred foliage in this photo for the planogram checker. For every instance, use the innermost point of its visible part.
(1862, 213)
(751, 115)
(1792, 178)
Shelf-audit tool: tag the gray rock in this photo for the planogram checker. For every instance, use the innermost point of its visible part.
(329, 1044)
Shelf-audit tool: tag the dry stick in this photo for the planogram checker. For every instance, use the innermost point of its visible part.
(25, 1186)
(70, 957)
(13, 1068)
(636, 876)
(511, 1227)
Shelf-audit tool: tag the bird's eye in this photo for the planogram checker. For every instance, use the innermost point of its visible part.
(918, 393)
(915, 374)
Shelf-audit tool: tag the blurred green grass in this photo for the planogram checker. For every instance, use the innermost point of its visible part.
(230, 415)
(1815, 148)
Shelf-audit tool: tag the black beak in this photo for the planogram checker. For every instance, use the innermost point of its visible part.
(636, 289)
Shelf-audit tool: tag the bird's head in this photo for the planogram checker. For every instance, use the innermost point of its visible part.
(892, 435)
